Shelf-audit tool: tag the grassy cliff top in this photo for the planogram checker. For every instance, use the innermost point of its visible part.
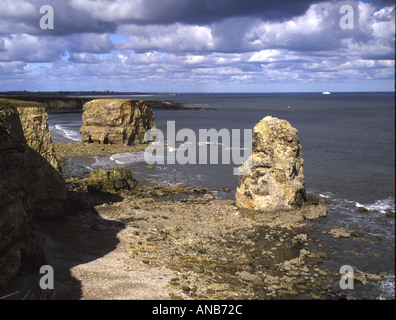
(19, 103)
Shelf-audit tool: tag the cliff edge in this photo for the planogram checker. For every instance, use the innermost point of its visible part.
(30, 185)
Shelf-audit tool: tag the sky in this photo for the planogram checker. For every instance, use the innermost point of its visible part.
(197, 45)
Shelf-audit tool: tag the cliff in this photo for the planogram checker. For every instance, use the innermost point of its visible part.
(34, 121)
(47, 186)
(18, 248)
(116, 121)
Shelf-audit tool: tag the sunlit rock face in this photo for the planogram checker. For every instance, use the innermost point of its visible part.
(116, 121)
(275, 181)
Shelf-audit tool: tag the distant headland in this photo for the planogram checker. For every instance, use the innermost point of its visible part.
(73, 101)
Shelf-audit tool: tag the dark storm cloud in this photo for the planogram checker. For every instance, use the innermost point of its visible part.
(189, 11)
(24, 17)
(209, 11)
(99, 16)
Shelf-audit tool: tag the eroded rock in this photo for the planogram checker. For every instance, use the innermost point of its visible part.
(47, 186)
(111, 180)
(276, 179)
(116, 121)
(19, 249)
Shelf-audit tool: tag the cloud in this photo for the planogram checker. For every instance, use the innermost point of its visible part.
(172, 38)
(29, 48)
(91, 43)
(24, 17)
(173, 44)
(187, 11)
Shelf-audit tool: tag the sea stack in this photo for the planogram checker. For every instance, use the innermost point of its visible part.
(116, 121)
(275, 180)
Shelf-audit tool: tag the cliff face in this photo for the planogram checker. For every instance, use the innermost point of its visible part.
(34, 122)
(276, 179)
(116, 121)
(47, 187)
(16, 242)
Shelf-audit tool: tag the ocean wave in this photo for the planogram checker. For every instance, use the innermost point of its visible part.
(387, 288)
(102, 162)
(379, 205)
(327, 195)
(236, 148)
(207, 143)
(68, 132)
(127, 158)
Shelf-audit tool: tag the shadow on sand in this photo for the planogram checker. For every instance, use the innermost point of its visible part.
(80, 236)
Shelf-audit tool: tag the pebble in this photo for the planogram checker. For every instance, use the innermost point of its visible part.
(175, 235)
(186, 288)
(198, 269)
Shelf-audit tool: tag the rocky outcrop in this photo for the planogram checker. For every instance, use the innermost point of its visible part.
(116, 121)
(111, 180)
(18, 248)
(275, 181)
(47, 186)
(34, 122)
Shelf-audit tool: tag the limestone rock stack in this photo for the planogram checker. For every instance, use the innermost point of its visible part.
(275, 181)
(116, 121)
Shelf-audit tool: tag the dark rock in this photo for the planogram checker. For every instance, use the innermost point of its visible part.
(389, 213)
(19, 199)
(111, 180)
(312, 199)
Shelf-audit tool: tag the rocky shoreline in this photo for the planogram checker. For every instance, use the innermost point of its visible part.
(122, 239)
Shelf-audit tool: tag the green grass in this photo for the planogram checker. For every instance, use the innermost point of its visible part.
(19, 103)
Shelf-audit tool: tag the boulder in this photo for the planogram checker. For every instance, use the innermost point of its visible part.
(275, 179)
(116, 121)
(111, 180)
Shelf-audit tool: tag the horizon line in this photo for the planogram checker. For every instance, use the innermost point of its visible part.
(185, 92)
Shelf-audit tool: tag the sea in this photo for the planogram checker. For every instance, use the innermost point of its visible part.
(348, 146)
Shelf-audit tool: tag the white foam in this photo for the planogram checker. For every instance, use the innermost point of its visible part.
(387, 288)
(208, 143)
(127, 158)
(236, 148)
(103, 162)
(326, 195)
(379, 205)
(68, 133)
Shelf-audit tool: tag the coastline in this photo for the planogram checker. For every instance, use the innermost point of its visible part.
(73, 102)
(183, 244)
(163, 247)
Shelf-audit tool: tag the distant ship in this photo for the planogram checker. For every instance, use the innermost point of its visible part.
(326, 92)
